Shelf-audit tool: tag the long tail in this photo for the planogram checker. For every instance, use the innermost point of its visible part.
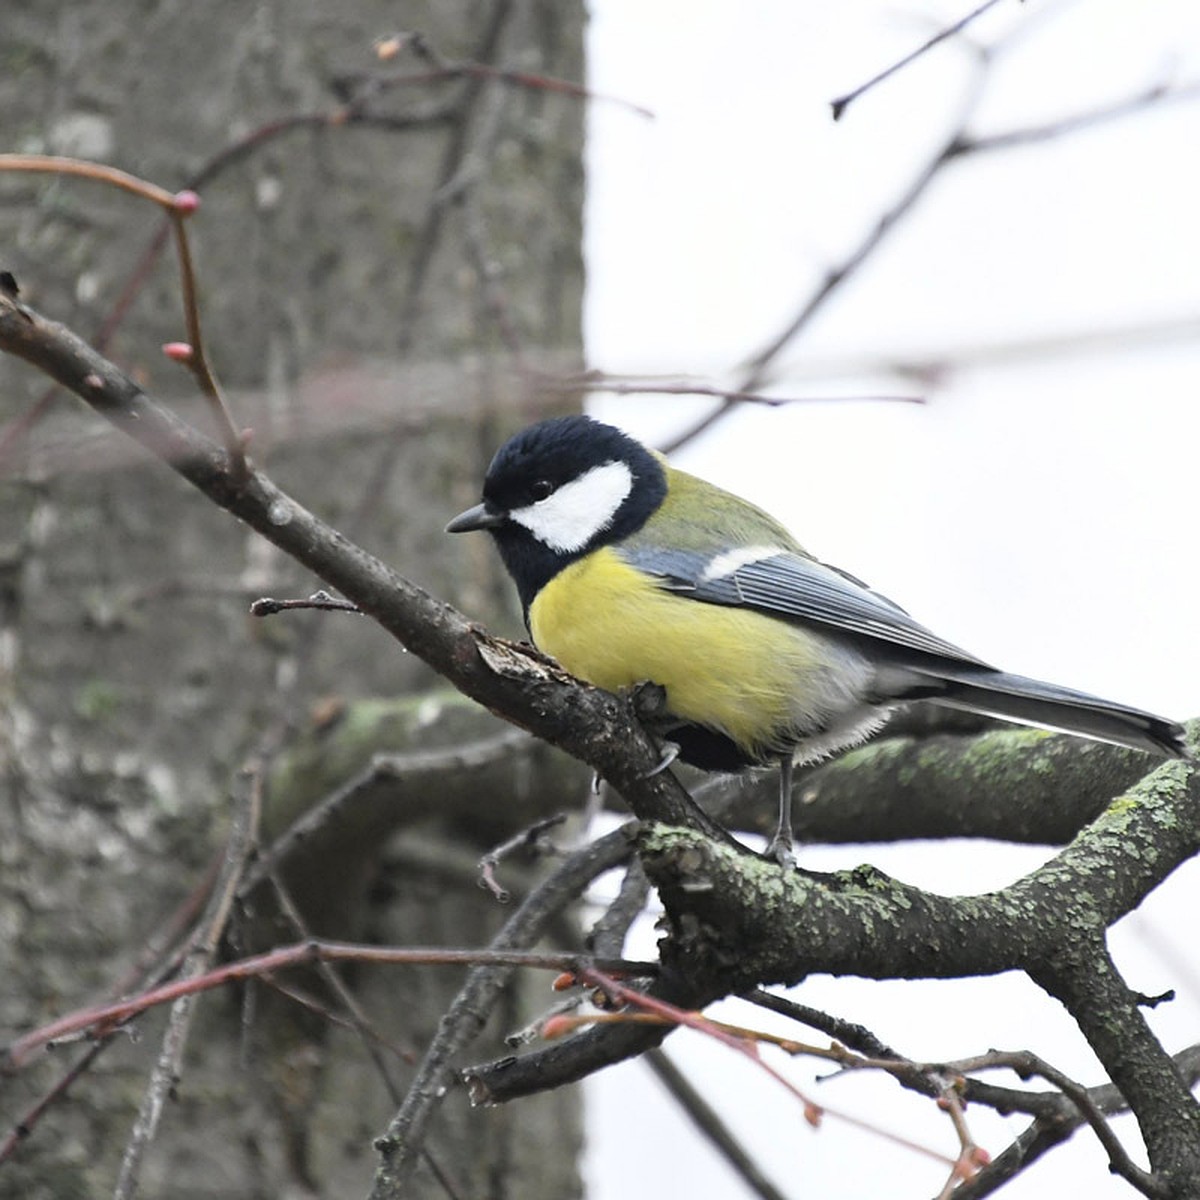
(1031, 702)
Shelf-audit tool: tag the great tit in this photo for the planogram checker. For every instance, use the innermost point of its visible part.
(629, 571)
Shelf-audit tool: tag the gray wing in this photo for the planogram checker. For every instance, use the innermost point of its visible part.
(793, 587)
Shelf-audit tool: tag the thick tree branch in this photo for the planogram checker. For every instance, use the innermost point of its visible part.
(1083, 976)
(514, 681)
(1041, 788)
(747, 924)
(736, 922)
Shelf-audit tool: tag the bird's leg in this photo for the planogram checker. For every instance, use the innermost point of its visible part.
(780, 846)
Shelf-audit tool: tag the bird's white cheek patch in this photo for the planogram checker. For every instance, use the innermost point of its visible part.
(571, 516)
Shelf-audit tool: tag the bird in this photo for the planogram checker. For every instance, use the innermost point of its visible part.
(631, 571)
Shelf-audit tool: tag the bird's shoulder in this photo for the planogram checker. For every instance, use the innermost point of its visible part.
(699, 516)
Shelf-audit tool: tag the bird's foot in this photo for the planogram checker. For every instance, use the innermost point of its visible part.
(780, 849)
(670, 752)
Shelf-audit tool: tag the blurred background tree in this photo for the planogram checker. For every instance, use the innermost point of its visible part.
(389, 244)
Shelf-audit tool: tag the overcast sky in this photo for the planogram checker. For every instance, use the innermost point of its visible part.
(1036, 509)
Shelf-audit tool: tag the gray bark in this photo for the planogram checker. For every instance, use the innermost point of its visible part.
(349, 301)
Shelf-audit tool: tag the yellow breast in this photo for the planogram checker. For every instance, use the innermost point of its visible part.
(731, 669)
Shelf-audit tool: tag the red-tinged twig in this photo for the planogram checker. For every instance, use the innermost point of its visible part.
(1024, 1063)
(355, 1020)
(562, 1024)
(1057, 1113)
(525, 79)
(229, 156)
(197, 359)
(179, 206)
(152, 961)
(103, 1018)
(54, 164)
(149, 967)
(840, 105)
(338, 117)
(813, 1112)
(971, 1155)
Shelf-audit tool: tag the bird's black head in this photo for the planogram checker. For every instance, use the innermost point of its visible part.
(559, 489)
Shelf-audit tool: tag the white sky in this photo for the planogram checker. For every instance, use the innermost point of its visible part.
(1035, 511)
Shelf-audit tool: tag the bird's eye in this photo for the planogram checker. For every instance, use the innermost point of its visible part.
(541, 489)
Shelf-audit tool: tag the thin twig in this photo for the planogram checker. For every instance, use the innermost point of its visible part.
(460, 150)
(356, 1022)
(243, 837)
(322, 601)
(179, 206)
(708, 1121)
(196, 358)
(1053, 1127)
(1089, 1103)
(476, 755)
(101, 1019)
(448, 70)
(406, 1132)
(813, 1112)
(489, 273)
(532, 840)
(908, 1073)
(153, 965)
(25, 1124)
(959, 146)
(840, 105)
(341, 117)
(1026, 1063)
(371, 1040)
(54, 164)
(1156, 94)
(755, 370)
(971, 1156)
(607, 935)
(600, 381)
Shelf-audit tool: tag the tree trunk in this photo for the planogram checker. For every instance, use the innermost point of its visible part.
(365, 284)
